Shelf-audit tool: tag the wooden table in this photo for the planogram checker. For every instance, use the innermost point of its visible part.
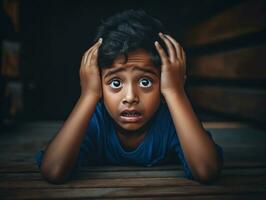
(243, 176)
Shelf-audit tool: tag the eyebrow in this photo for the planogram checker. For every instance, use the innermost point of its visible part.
(111, 72)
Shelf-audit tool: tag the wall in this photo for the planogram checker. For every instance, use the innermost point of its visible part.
(227, 61)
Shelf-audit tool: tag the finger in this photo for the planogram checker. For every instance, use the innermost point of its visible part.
(94, 57)
(89, 52)
(161, 52)
(177, 46)
(96, 45)
(170, 47)
(85, 56)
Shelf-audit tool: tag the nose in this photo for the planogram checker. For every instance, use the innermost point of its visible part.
(131, 95)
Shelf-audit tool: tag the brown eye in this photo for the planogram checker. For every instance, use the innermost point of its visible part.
(145, 83)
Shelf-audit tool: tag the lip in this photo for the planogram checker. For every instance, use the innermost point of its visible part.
(131, 119)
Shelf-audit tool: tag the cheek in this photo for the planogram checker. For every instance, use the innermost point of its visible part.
(152, 101)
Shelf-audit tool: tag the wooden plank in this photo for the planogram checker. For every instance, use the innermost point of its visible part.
(241, 137)
(238, 159)
(28, 167)
(245, 103)
(99, 175)
(201, 197)
(225, 125)
(85, 175)
(131, 192)
(32, 168)
(235, 138)
(187, 197)
(248, 182)
(240, 64)
(252, 157)
(132, 182)
(96, 183)
(245, 18)
(235, 155)
(244, 175)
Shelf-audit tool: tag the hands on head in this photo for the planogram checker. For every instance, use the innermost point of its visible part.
(89, 73)
(173, 68)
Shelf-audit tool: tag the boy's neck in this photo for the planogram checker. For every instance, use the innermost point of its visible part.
(130, 140)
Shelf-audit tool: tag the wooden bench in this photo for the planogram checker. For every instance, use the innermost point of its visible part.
(243, 176)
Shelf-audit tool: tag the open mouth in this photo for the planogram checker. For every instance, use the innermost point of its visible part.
(130, 114)
(133, 116)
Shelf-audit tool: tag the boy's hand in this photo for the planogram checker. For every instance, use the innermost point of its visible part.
(173, 69)
(90, 79)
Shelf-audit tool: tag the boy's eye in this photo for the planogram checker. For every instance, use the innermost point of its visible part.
(146, 83)
(115, 84)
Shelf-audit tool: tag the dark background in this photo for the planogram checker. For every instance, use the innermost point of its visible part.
(55, 34)
(225, 45)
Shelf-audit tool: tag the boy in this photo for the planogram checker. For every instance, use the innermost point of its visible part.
(120, 117)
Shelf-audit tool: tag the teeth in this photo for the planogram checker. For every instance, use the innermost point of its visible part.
(131, 114)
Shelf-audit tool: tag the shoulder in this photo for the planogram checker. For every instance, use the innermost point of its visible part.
(162, 116)
(98, 124)
(100, 114)
(162, 123)
(98, 120)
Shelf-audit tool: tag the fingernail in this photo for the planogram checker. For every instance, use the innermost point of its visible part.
(161, 34)
(100, 40)
(156, 43)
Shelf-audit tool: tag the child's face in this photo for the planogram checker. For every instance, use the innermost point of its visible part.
(131, 90)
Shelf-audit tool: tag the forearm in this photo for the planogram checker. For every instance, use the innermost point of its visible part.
(198, 147)
(61, 153)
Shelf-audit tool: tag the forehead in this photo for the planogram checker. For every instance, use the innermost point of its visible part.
(139, 58)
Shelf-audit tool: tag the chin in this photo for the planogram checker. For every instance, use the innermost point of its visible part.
(133, 127)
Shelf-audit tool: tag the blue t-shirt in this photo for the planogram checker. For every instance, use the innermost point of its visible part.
(101, 145)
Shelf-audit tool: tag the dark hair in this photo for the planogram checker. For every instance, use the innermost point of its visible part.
(128, 31)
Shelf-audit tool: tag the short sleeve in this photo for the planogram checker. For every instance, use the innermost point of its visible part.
(88, 154)
(39, 158)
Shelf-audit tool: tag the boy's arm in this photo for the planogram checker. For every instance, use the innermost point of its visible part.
(199, 149)
(62, 152)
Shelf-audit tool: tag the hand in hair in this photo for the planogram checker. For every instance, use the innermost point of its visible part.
(173, 69)
(90, 80)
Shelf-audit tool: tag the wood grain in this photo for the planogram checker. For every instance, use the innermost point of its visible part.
(240, 64)
(237, 101)
(243, 176)
(245, 18)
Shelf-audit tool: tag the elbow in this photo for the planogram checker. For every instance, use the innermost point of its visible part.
(53, 174)
(207, 175)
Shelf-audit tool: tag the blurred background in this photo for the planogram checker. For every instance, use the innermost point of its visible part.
(42, 43)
